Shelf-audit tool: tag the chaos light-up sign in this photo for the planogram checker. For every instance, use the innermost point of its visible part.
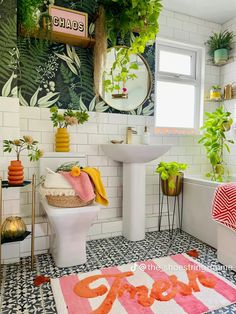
(69, 21)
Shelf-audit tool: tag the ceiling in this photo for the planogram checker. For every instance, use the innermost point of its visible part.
(217, 11)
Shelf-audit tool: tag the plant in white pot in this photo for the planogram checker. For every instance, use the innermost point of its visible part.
(219, 45)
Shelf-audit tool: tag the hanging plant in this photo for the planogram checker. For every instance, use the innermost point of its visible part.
(33, 14)
(127, 16)
(120, 72)
(215, 141)
(124, 18)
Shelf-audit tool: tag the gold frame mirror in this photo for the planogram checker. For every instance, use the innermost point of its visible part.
(130, 94)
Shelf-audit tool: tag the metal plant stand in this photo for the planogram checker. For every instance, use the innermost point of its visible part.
(177, 205)
(4, 184)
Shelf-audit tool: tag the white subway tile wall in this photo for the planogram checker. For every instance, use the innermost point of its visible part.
(101, 128)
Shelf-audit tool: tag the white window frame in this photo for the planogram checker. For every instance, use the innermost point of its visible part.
(196, 77)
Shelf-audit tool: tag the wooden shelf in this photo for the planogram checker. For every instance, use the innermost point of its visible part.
(221, 100)
(84, 42)
(230, 60)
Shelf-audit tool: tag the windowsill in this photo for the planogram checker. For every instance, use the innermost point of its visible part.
(176, 131)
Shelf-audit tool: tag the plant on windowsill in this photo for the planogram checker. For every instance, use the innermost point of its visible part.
(16, 170)
(219, 45)
(62, 121)
(215, 142)
(171, 174)
(124, 18)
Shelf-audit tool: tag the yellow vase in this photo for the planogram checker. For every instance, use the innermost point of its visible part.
(62, 140)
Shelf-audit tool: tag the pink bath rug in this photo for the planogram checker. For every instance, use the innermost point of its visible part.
(174, 284)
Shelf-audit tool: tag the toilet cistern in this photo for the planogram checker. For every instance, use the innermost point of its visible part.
(129, 132)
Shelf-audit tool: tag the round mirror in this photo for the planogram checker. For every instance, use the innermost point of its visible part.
(126, 85)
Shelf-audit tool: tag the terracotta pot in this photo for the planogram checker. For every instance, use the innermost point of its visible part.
(62, 140)
(13, 227)
(178, 180)
(15, 173)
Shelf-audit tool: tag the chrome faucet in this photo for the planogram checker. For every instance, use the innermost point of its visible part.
(129, 133)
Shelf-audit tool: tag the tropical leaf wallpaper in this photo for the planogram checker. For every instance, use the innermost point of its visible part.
(8, 49)
(48, 74)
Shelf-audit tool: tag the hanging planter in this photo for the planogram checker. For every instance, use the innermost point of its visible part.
(16, 170)
(62, 121)
(124, 18)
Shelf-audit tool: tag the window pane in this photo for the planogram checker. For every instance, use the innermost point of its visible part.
(175, 63)
(175, 105)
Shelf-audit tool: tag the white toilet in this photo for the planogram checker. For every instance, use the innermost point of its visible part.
(69, 226)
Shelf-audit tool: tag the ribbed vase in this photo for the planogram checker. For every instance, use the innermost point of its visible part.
(62, 140)
(15, 173)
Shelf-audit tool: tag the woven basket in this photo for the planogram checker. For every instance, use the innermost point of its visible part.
(66, 201)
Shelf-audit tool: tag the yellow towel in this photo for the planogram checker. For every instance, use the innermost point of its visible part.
(100, 192)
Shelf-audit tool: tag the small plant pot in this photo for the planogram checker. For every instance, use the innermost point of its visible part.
(13, 227)
(221, 56)
(178, 180)
(215, 94)
(62, 140)
(15, 173)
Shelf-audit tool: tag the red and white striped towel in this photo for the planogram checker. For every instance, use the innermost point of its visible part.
(224, 205)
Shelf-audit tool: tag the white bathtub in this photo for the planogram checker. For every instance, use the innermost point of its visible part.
(198, 197)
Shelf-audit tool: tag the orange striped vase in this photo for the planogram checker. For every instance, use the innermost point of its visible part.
(15, 173)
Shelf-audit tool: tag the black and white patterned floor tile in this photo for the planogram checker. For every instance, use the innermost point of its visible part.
(19, 295)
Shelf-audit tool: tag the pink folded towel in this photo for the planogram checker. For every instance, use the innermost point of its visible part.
(81, 184)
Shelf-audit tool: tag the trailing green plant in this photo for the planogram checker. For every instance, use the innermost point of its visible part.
(25, 143)
(68, 117)
(120, 71)
(215, 141)
(219, 41)
(169, 170)
(124, 17)
(27, 13)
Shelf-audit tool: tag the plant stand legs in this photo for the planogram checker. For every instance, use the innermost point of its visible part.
(171, 210)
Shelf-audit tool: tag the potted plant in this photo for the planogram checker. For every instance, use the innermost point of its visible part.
(61, 121)
(171, 174)
(219, 45)
(215, 141)
(215, 93)
(16, 170)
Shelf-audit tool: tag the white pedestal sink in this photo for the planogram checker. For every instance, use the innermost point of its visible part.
(134, 158)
